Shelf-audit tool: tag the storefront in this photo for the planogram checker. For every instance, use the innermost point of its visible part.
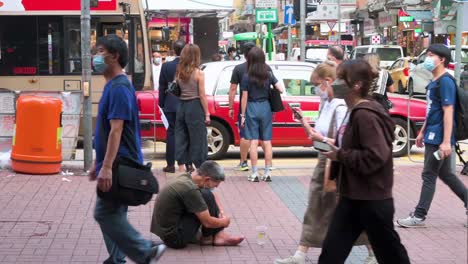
(388, 26)
(415, 31)
(164, 32)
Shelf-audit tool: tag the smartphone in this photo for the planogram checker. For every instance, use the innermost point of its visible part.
(296, 114)
(322, 147)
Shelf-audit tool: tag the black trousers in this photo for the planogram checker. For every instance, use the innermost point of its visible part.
(354, 216)
(190, 133)
(189, 225)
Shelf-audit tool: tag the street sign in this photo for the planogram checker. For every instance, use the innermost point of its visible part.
(331, 24)
(376, 39)
(266, 4)
(289, 18)
(266, 15)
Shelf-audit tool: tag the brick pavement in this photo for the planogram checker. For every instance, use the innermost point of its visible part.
(44, 219)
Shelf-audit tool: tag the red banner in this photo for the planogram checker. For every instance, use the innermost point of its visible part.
(53, 5)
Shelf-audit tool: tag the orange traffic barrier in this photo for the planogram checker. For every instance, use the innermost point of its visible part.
(37, 143)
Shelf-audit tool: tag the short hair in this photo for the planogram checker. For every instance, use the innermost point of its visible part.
(216, 57)
(115, 45)
(247, 47)
(178, 47)
(212, 170)
(324, 70)
(353, 71)
(337, 52)
(231, 49)
(442, 51)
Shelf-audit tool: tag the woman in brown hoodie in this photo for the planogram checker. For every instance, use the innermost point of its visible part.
(363, 165)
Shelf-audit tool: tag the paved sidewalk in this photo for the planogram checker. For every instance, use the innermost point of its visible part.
(46, 219)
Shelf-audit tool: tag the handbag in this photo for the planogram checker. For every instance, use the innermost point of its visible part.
(132, 183)
(329, 183)
(276, 102)
(174, 88)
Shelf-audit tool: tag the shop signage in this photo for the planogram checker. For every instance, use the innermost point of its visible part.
(406, 19)
(266, 15)
(266, 4)
(386, 19)
(54, 5)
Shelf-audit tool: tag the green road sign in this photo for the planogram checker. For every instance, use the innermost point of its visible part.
(266, 15)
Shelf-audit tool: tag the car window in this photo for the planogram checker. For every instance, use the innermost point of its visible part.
(464, 56)
(224, 81)
(360, 53)
(396, 65)
(421, 58)
(388, 54)
(296, 80)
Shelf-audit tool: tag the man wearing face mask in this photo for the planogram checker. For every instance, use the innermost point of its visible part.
(117, 135)
(156, 66)
(437, 136)
(189, 202)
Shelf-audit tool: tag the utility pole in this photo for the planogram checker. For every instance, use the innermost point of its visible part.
(458, 41)
(303, 29)
(86, 80)
(339, 22)
(290, 14)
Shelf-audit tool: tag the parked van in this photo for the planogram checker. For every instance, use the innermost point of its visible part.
(388, 53)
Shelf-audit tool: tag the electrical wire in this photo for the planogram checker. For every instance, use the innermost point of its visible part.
(205, 3)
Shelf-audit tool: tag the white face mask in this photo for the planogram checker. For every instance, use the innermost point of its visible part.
(157, 61)
(323, 94)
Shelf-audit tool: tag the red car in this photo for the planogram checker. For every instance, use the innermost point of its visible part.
(295, 76)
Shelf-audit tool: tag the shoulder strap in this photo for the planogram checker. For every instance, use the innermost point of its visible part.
(438, 86)
(333, 128)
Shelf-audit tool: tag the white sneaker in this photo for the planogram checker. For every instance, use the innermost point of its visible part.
(411, 221)
(291, 260)
(253, 177)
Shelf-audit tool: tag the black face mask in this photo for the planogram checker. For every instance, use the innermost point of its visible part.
(340, 89)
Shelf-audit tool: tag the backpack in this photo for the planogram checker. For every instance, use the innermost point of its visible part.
(461, 109)
(378, 90)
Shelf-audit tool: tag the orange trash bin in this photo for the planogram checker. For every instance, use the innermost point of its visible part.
(37, 142)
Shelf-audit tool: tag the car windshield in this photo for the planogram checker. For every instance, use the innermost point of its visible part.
(388, 54)
(317, 54)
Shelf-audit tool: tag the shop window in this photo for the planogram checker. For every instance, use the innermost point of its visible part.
(18, 42)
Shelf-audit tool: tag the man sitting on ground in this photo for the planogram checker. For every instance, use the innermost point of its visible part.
(186, 204)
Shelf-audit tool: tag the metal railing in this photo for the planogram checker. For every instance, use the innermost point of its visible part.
(152, 117)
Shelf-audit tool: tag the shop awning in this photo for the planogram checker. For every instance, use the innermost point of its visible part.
(421, 15)
(191, 8)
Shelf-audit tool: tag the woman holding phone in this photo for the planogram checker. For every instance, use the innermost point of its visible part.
(322, 202)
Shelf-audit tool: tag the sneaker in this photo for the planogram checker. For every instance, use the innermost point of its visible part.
(243, 166)
(253, 177)
(411, 221)
(290, 260)
(266, 177)
(157, 253)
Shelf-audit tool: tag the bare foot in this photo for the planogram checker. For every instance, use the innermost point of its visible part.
(224, 239)
(206, 241)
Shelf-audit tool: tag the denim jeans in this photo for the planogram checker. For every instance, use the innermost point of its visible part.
(433, 168)
(120, 237)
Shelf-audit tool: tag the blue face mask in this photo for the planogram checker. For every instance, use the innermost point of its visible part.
(99, 63)
(429, 64)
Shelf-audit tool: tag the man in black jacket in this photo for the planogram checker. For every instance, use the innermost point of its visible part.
(169, 103)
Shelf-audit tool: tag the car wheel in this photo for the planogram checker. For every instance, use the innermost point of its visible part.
(401, 90)
(410, 87)
(402, 137)
(218, 140)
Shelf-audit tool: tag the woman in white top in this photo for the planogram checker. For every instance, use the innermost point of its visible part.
(321, 204)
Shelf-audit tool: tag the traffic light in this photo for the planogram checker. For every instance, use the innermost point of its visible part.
(310, 7)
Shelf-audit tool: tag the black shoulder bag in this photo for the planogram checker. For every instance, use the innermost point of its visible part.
(174, 88)
(276, 103)
(132, 183)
